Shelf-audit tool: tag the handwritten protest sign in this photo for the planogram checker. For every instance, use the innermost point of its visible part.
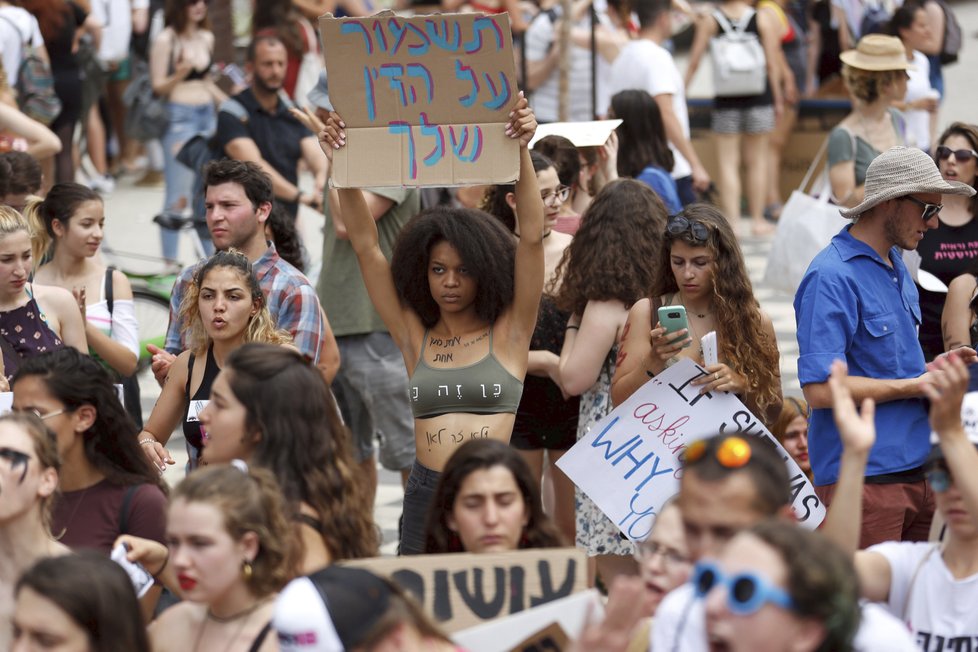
(425, 100)
(462, 590)
(630, 462)
(511, 633)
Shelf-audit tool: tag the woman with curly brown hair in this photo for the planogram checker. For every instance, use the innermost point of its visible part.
(272, 409)
(701, 267)
(224, 308)
(609, 265)
(460, 300)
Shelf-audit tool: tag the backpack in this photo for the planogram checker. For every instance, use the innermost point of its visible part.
(146, 114)
(739, 65)
(35, 83)
(951, 43)
(876, 19)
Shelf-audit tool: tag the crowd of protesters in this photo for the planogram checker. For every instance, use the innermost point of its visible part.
(289, 394)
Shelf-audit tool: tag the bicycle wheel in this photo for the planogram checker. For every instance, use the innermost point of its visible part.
(153, 315)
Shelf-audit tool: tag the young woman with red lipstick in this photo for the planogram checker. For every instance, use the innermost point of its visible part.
(33, 318)
(224, 308)
(701, 267)
(229, 550)
(68, 228)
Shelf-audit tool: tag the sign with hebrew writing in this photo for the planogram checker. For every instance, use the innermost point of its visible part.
(630, 462)
(462, 590)
(425, 100)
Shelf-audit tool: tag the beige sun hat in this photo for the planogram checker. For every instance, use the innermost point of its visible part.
(902, 171)
(878, 52)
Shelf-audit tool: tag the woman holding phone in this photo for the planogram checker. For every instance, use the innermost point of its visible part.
(701, 270)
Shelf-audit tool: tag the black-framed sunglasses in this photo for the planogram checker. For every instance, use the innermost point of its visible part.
(960, 155)
(930, 210)
(680, 224)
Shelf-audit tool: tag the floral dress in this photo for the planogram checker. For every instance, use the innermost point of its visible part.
(595, 532)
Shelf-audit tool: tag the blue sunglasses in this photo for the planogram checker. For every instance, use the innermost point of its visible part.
(746, 592)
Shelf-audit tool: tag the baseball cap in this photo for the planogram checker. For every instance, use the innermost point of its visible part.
(331, 610)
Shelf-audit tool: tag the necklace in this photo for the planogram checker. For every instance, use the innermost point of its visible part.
(700, 315)
(244, 615)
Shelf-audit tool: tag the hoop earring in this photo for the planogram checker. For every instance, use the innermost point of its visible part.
(246, 570)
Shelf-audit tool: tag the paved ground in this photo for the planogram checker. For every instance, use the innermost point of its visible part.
(129, 213)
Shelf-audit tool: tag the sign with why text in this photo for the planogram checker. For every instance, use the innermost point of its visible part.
(425, 100)
(630, 462)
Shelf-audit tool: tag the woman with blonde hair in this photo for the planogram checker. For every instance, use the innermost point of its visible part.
(29, 464)
(33, 318)
(702, 268)
(223, 308)
(875, 74)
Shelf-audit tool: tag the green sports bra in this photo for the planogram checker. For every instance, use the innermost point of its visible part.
(484, 387)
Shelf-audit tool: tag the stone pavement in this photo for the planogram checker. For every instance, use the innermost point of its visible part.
(129, 227)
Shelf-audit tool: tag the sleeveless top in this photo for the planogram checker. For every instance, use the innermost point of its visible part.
(196, 403)
(25, 333)
(747, 101)
(484, 387)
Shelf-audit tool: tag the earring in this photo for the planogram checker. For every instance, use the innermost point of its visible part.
(246, 570)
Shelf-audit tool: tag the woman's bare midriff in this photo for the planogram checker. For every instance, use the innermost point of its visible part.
(438, 437)
(194, 92)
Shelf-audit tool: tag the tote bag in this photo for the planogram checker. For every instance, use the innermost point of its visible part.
(807, 225)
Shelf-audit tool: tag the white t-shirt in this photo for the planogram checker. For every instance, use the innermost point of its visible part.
(13, 36)
(539, 38)
(934, 605)
(648, 66)
(918, 86)
(116, 19)
(680, 626)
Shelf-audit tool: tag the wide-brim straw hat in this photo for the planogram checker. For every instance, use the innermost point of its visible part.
(878, 52)
(902, 171)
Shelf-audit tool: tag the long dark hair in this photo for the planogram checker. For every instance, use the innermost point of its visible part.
(476, 455)
(60, 204)
(76, 379)
(303, 442)
(641, 135)
(96, 594)
(970, 133)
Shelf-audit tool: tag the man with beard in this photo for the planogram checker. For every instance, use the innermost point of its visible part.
(265, 132)
(857, 303)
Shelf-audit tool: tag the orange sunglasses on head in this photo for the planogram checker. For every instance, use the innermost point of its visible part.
(731, 452)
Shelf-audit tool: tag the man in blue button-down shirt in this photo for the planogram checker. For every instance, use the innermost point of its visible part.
(858, 303)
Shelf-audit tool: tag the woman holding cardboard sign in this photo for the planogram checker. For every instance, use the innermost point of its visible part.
(460, 299)
(702, 270)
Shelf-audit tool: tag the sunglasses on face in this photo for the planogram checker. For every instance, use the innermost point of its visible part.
(731, 452)
(746, 592)
(960, 155)
(680, 224)
(930, 210)
(939, 478)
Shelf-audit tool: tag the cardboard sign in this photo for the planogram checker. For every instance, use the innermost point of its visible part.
(462, 590)
(630, 462)
(594, 133)
(425, 100)
(549, 639)
(571, 614)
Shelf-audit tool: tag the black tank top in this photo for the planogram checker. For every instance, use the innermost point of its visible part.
(191, 426)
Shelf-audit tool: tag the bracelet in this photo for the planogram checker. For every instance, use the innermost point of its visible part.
(571, 327)
(156, 575)
(148, 440)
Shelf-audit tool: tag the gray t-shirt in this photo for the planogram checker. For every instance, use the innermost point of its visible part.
(841, 147)
(341, 288)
